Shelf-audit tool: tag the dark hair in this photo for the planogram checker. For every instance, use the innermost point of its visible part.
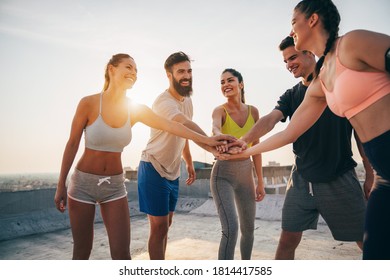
(286, 43)
(114, 61)
(330, 17)
(238, 75)
(289, 42)
(174, 59)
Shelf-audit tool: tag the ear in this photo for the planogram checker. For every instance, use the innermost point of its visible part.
(169, 74)
(313, 20)
(110, 69)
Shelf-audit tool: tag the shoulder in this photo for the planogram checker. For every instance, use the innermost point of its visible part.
(136, 108)
(164, 98)
(89, 101)
(254, 112)
(219, 111)
(356, 34)
(294, 92)
(349, 41)
(253, 109)
(219, 108)
(364, 50)
(362, 42)
(137, 111)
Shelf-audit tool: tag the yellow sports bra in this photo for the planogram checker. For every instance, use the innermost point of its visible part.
(232, 128)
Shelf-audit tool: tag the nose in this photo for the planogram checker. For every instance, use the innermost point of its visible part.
(188, 75)
(292, 33)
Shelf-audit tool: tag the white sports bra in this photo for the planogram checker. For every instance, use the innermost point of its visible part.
(102, 137)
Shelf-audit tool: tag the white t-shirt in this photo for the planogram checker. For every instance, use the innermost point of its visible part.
(164, 150)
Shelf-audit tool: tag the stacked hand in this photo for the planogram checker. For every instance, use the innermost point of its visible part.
(231, 150)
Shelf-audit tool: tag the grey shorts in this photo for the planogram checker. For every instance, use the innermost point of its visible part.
(93, 189)
(340, 202)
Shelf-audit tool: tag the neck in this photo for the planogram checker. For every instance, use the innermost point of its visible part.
(234, 101)
(115, 93)
(305, 80)
(175, 94)
(319, 43)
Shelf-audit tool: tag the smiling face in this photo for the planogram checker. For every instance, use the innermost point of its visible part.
(125, 74)
(300, 30)
(181, 78)
(230, 86)
(300, 64)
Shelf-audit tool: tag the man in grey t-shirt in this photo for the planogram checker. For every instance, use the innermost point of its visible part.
(159, 169)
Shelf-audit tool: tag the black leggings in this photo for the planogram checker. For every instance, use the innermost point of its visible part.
(376, 244)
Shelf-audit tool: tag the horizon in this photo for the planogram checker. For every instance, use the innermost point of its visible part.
(53, 53)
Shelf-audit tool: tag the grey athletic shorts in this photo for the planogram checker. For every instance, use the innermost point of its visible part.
(93, 189)
(340, 202)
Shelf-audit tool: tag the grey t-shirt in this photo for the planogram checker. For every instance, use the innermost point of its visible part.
(164, 150)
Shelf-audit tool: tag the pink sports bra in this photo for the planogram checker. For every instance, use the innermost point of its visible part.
(353, 90)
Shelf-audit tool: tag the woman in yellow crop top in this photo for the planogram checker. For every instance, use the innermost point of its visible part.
(352, 78)
(106, 119)
(232, 183)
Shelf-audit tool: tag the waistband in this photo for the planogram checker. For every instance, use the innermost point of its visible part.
(88, 177)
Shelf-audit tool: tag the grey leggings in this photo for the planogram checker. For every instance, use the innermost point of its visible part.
(232, 187)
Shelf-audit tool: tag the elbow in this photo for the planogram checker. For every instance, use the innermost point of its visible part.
(72, 145)
(288, 137)
(292, 138)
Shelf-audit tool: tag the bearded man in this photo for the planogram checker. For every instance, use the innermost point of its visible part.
(159, 169)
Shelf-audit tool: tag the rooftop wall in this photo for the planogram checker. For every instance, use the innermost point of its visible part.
(32, 212)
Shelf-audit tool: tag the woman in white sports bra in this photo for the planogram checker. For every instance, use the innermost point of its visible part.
(106, 119)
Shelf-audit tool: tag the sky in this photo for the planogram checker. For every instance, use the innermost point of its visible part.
(53, 53)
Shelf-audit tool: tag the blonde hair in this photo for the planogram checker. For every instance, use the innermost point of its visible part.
(114, 61)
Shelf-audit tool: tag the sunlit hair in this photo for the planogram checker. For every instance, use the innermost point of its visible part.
(238, 75)
(174, 59)
(330, 18)
(114, 61)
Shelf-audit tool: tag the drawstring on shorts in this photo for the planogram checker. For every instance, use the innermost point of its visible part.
(105, 179)
(311, 189)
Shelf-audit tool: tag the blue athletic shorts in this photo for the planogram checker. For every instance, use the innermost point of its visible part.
(157, 195)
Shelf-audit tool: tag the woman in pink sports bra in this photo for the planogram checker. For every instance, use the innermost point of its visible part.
(352, 78)
(106, 119)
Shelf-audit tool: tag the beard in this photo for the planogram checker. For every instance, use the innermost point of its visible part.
(184, 91)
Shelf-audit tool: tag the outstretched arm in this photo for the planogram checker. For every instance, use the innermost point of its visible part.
(304, 117)
(264, 125)
(142, 113)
